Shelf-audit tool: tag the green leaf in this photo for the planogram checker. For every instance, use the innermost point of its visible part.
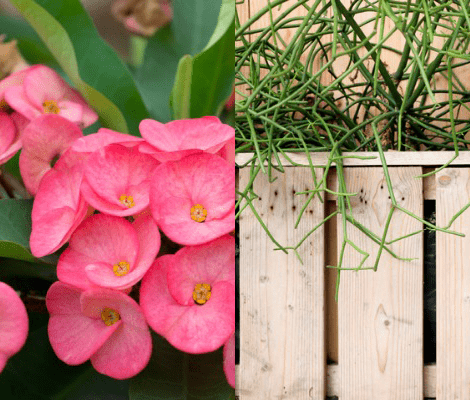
(29, 43)
(174, 375)
(213, 69)
(10, 269)
(89, 62)
(181, 93)
(15, 230)
(193, 25)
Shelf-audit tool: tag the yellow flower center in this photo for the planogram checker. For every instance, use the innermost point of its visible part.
(198, 213)
(128, 201)
(121, 268)
(4, 106)
(50, 107)
(202, 293)
(110, 316)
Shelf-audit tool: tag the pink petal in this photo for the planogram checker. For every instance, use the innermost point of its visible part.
(203, 179)
(20, 121)
(149, 241)
(16, 99)
(128, 350)
(19, 124)
(104, 137)
(15, 79)
(101, 274)
(7, 132)
(229, 360)
(228, 151)
(74, 337)
(71, 111)
(207, 263)
(70, 269)
(164, 156)
(117, 170)
(98, 243)
(89, 115)
(104, 205)
(125, 354)
(106, 238)
(206, 133)
(44, 138)
(43, 83)
(58, 199)
(13, 322)
(47, 237)
(192, 329)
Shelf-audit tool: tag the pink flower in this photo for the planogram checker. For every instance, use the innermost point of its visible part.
(44, 140)
(58, 207)
(14, 324)
(15, 79)
(102, 325)
(189, 297)
(193, 199)
(117, 180)
(109, 251)
(180, 138)
(10, 135)
(104, 137)
(44, 92)
(229, 360)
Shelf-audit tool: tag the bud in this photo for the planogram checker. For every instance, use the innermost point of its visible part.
(143, 17)
(11, 60)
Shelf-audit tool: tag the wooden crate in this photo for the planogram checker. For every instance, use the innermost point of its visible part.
(289, 320)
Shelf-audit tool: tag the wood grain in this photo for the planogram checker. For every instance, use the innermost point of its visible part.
(453, 287)
(282, 329)
(393, 158)
(381, 313)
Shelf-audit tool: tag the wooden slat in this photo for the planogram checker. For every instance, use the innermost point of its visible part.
(453, 287)
(429, 184)
(393, 158)
(333, 381)
(282, 329)
(381, 313)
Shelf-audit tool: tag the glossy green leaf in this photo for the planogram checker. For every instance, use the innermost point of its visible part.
(29, 43)
(181, 93)
(193, 25)
(15, 230)
(89, 62)
(174, 375)
(12, 269)
(213, 69)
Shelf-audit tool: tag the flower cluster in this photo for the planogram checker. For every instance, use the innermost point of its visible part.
(108, 195)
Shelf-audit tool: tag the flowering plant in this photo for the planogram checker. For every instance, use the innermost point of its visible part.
(117, 203)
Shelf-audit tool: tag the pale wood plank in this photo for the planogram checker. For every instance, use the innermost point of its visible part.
(381, 313)
(429, 185)
(282, 329)
(453, 287)
(333, 380)
(393, 158)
